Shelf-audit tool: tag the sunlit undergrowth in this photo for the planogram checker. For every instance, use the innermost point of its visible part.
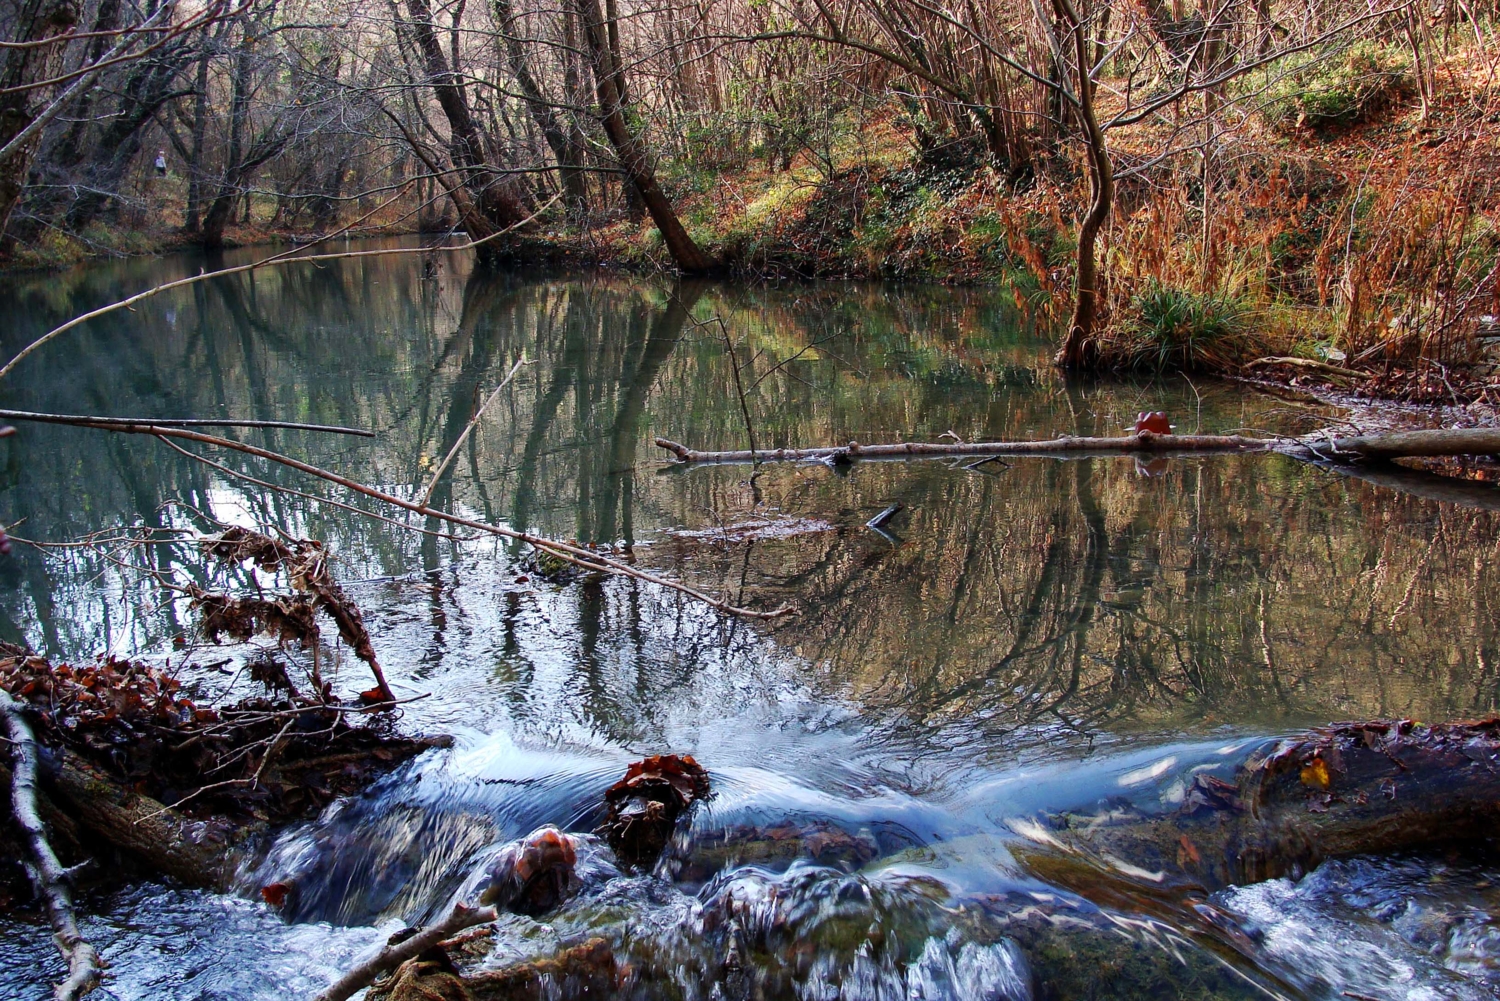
(1342, 220)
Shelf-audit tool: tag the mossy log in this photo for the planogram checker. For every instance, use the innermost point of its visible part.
(198, 852)
(1345, 789)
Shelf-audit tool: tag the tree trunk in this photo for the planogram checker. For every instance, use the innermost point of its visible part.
(34, 21)
(219, 210)
(632, 153)
(544, 114)
(194, 207)
(1078, 350)
(485, 204)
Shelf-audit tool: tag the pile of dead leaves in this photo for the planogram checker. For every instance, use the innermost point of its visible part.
(273, 759)
(642, 808)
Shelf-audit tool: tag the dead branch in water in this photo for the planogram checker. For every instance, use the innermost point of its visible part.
(306, 563)
(1395, 445)
(393, 955)
(437, 474)
(47, 873)
(78, 420)
(1145, 441)
(577, 555)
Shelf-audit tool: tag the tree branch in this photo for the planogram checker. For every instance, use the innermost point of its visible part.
(47, 873)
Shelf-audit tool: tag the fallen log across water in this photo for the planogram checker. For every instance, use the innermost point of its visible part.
(1395, 445)
(1290, 804)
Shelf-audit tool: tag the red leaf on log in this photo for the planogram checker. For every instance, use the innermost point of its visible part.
(1153, 421)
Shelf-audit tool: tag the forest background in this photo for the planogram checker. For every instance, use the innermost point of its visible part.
(1204, 187)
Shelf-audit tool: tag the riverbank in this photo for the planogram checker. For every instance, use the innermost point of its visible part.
(1337, 234)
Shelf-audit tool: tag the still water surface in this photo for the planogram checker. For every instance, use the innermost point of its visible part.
(1022, 635)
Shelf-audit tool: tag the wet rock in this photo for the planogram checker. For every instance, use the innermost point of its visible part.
(535, 874)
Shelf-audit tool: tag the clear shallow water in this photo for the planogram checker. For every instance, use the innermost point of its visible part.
(1025, 634)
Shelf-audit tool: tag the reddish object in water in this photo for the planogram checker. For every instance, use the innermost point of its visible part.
(534, 875)
(643, 807)
(1153, 421)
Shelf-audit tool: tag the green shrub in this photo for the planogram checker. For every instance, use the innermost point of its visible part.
(1340, 91)
(1174, 328)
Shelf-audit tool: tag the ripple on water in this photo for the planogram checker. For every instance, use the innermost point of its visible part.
(1405, 928)
(165, 944)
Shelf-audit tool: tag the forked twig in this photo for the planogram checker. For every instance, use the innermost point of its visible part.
(462, 916)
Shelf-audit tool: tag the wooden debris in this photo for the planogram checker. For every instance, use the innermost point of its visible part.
(1144, 441)
(1393, 445)
(51, 880)
(306, 563)
(643, 807)
(406, 946)
(1349, 788)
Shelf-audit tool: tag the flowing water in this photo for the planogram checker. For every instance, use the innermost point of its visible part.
(1022, 635)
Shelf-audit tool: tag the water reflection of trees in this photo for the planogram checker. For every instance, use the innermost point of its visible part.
(1072, 594)
(1227, 591)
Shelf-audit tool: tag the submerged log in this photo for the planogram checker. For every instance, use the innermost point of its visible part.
(1345, 789)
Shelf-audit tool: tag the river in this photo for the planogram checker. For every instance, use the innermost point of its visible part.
(1021, 635)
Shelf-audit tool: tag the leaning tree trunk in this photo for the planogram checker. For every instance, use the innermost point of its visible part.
(484, 202)
(1078, 349)
(628, 146)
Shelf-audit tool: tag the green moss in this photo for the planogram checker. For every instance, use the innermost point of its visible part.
(1345, 90)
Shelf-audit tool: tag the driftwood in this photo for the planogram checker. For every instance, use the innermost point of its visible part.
(1145, 441)
(113, 739)
(531, 876)
(585, 970)
(407, 948)
(1395, 445)
(1350, 788)
(1309, 363)
(52, 881)
(202, 852)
